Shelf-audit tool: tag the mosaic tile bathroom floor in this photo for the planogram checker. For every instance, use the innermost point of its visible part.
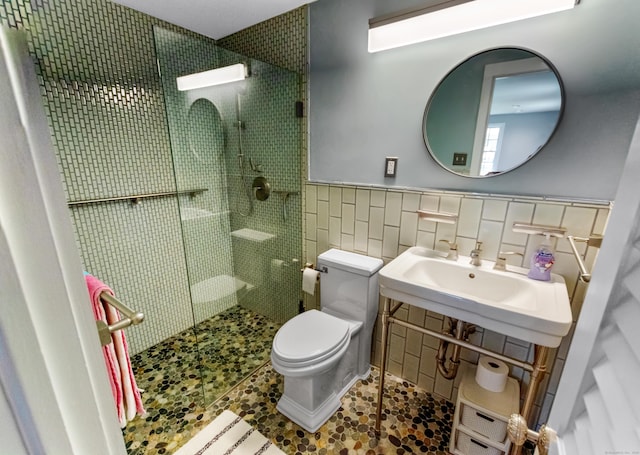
(231, 345)
(413, 421)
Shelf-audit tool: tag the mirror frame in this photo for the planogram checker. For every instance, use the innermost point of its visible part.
(551, 67)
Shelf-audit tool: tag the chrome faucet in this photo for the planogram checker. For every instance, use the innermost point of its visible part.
(501, 261)
(452, 255)
(475, 255)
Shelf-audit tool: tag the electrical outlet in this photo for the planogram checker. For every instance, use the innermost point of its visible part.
(390, 166)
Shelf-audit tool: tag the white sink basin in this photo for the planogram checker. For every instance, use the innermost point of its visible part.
(506, 302)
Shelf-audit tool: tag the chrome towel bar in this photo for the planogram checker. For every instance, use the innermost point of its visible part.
(594, 241)
(136, 198)
(130, 317)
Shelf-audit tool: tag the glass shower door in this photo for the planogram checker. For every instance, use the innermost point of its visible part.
(242, 251)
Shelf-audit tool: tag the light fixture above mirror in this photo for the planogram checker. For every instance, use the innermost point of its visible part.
(450, 17)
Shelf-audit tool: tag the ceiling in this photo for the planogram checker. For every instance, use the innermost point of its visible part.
(526, 93)
(214, 18)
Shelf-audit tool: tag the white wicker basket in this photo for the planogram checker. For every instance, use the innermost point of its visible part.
(469, 446)
(480, 422)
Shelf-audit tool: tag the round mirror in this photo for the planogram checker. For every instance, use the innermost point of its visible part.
(206, 131)
(493, 112)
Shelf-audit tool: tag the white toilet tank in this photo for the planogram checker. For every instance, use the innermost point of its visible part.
(349, 288)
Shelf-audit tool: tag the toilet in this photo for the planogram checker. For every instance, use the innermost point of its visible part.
(321, 354)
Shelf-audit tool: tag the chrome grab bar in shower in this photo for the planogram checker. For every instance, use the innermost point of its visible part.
(136, 198)
(131, 317)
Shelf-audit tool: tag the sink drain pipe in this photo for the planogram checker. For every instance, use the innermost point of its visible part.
(460, 330)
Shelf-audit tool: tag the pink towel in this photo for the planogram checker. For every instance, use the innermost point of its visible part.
(116, 356)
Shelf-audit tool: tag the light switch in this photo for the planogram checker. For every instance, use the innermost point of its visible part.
(390, 166)
(459, 159)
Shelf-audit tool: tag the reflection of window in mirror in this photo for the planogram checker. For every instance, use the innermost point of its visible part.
(492, 148)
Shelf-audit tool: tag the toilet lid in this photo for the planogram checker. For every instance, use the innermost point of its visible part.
(310, 337)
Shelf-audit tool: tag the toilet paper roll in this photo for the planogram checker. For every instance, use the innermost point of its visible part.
(309, 278)
(492, 374)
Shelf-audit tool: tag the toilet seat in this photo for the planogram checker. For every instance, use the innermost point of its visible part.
(310, 338)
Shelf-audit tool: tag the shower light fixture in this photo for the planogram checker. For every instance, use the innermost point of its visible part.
(451, 17)
(216, 76)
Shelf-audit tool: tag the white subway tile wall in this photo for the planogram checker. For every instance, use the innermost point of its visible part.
(383, 223)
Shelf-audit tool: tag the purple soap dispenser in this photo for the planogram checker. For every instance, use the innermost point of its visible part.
(541, 261)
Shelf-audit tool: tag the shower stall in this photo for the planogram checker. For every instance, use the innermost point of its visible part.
(236, 159)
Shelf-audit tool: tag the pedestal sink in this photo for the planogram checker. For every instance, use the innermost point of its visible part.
(506, 302)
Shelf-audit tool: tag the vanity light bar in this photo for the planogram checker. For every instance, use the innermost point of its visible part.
(539, 229)
(438, 217)
(451, 17)
(216, 76)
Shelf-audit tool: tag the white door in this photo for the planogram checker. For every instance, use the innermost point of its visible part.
(57, 399)
(597, 405)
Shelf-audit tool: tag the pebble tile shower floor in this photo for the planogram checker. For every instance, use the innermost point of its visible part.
(223, 349)
(413, 420)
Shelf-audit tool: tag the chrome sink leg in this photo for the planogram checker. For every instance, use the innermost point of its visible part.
(383, 361)
(539, 370)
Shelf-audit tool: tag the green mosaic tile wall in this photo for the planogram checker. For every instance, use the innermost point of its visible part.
(97, 66)
(269, 141)
(281, 41)
(272, 138)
